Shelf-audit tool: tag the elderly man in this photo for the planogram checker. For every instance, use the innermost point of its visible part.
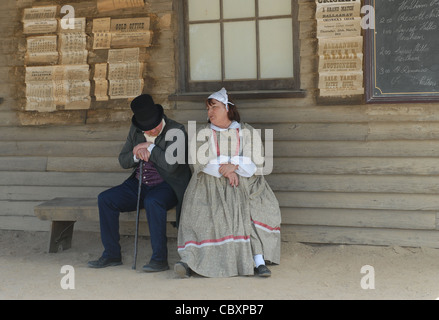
(163, 183)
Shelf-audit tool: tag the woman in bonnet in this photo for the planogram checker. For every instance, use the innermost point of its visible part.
(230, 220)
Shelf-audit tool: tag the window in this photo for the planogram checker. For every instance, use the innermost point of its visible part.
(240, 44)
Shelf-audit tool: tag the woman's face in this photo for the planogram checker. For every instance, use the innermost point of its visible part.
(217, 113)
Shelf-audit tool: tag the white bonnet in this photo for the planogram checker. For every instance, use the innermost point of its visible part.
(221, 96)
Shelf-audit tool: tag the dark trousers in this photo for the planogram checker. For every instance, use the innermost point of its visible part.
(155, 200)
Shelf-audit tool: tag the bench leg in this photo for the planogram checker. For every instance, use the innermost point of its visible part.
(61, 235)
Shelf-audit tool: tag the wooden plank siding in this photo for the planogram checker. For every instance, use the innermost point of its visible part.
(343, 173)
(347, 173)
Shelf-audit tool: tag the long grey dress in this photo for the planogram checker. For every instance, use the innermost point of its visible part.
(223, 227)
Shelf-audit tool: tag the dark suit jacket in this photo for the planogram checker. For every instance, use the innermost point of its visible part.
(178, 174)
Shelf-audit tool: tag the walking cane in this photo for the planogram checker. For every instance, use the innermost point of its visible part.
(138, 214)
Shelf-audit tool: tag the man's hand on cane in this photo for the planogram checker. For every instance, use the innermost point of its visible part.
(141, 151)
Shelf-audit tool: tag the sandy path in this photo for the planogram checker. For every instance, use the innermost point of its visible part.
(27, 271)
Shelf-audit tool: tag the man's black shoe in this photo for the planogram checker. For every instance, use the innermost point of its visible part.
(104, 262)
(263, 271)
(156, 266)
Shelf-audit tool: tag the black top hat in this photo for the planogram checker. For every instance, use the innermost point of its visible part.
(147, 114)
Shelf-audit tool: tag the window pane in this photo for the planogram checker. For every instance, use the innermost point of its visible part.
(204, 10)
(276, 42)
(240, 50)
(205, 51)
(274, 7)
(238, 9)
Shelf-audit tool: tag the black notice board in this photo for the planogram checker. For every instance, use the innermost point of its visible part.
(402, 52)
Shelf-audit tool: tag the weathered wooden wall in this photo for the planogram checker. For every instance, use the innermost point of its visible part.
(344, 171)
(69, 153)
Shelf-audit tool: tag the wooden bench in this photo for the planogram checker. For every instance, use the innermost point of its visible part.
(64, 212)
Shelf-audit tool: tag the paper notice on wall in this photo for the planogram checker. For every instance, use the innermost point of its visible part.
(73, 57)
(129, 70)
(100, 71)
(121, 33)
(63, 80)
(76, 72)
(77, 27)
(122, 89)
(101, 89)
(78, 95)
(72, 41)
(134, 32)
(341, 92)
(123, 55)
(131, 39)
(347, 83)
(40, 20)
(33, 74)
(130, 25)
(40, 13)
(41, 58)
(338, 10)
(40, 96)
(101, 82)
(125, 73)
(40, 104)
(337, 28)
(41, 50)
(72, 47)
(110, 5)
(341, 62)
(51, 86)
(72, 44)
(101, 33)
(340, 46)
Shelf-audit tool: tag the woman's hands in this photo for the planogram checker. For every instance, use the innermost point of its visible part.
(233, 179)
(228, 171)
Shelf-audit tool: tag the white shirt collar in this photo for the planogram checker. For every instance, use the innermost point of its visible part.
(233, 125)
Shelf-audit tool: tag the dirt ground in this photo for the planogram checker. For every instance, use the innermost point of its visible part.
(308, 272)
